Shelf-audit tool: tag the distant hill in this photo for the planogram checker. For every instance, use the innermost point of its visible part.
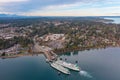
(8, 15)
(110, 16)
(14, 16)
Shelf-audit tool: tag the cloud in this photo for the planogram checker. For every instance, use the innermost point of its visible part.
(8, 1)
(116, 13)
(76, 10)
(59, 7)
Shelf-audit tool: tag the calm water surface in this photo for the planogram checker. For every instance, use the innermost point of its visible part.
(102, 64)
(116, 20)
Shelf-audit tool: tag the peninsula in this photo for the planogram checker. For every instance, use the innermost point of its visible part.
(61, 34)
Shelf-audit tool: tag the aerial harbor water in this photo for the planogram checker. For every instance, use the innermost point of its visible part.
(59, 39)
(116, 20)
(97, 64)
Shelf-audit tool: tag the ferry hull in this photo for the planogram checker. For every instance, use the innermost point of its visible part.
(60, 68)
(68, 65)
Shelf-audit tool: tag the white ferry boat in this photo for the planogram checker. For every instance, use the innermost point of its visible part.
(68, 65)
(60, 68)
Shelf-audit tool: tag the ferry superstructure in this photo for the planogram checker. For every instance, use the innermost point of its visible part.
(68, 65)
(60, 68)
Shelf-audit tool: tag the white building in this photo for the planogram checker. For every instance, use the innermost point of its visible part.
(53, 37)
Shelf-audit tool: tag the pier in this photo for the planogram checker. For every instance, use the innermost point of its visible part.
(48, 52)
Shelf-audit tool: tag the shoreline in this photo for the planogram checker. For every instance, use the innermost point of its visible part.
(19, 55)
(58, 52)
(62, 51)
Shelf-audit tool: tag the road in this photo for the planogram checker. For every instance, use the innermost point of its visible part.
(50, 55)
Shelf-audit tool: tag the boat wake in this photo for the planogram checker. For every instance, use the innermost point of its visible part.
(85, 74)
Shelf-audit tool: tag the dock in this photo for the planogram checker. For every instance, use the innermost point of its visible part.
(48, 52)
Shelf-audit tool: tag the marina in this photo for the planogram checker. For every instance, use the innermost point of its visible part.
(52, 58)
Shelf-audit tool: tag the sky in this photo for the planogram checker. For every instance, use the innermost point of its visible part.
(61, 7)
